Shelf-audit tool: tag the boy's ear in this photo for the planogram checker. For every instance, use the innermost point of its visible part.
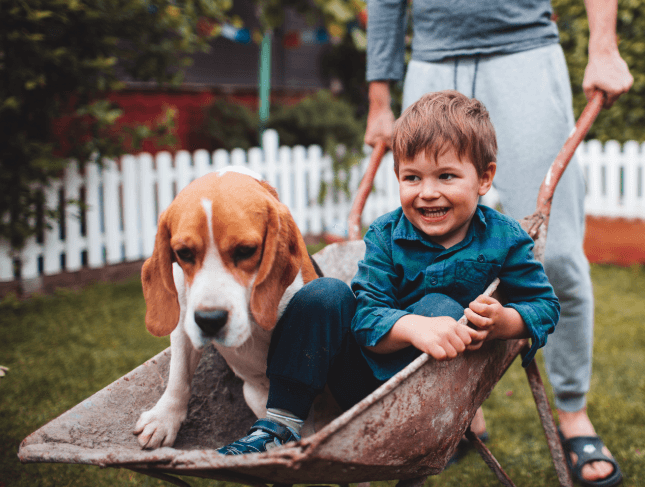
(486, 179)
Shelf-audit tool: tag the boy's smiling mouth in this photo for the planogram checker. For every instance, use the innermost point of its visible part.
(433, 212)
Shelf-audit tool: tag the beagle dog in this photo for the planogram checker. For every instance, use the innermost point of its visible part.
(227, 259)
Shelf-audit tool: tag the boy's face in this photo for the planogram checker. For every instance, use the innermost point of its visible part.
(440, 196)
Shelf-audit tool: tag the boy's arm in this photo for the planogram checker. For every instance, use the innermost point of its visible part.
(377, 307)
(529, 293)
(442, 337)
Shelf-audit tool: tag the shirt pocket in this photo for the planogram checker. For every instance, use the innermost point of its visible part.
(472, 278)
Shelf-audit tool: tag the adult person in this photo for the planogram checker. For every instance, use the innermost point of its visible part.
(507, 54)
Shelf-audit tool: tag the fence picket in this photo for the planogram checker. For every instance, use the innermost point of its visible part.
(165, 181)
(202, 163)
(112, 204)
(94, 216)
(52, 245)
(122, 205)
(131, 214)
(184, 170)
(632, 202)
(73, 235)
(147, 204)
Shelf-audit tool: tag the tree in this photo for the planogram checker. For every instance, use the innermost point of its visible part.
(58, 61)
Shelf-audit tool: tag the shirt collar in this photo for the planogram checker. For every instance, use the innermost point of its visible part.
(404, 230)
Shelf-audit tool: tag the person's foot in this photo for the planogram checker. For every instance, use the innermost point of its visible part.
(578, 424)
(264, 435)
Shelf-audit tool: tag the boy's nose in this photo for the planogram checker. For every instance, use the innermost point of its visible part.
(429, 191)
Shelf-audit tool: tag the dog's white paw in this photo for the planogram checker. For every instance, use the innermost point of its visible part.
(158, 427)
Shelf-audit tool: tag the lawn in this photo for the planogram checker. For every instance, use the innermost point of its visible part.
(60, 349)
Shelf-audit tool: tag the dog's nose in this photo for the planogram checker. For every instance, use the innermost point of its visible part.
(211, 321)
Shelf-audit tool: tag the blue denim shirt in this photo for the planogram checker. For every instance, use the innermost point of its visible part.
(402, 265)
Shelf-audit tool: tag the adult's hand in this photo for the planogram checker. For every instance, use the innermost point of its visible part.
(606, 69)
(380, 119)
(608, 72)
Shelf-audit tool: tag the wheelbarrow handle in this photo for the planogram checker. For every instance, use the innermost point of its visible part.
(364, 188)
(587, 117)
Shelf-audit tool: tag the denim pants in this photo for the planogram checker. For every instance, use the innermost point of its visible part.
(312, 345)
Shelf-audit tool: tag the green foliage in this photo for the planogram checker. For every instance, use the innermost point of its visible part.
(230, 125)
(58, 58)
(626, 119)
(319, 119)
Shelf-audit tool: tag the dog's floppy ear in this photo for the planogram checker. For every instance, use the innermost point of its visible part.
(162, 305)
(270, 189)
(280, 265)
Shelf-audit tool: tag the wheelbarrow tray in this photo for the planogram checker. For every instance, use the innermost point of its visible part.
(407, 428)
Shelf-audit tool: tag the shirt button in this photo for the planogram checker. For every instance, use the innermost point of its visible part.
(481, 258)
(433, 281)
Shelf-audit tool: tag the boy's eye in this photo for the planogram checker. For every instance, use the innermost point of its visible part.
(447, 176)
(411, 177)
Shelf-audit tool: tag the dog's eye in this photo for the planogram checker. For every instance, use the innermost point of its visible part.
(243, 252)
(185, 255)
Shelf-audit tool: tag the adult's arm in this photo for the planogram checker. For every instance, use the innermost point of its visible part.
(606, 69)
(386, 27)
(380, 118)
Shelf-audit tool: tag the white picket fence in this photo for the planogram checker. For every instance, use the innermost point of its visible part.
(123, 201)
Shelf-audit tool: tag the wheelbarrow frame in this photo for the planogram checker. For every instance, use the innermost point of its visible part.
(397, 409)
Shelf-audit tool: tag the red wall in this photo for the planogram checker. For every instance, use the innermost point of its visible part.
(148, 107)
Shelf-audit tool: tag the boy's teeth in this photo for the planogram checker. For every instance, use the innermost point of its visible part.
(436, 212)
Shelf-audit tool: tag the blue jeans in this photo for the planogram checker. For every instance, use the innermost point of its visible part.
(312, 345)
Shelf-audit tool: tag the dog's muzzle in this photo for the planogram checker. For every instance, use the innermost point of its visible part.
(211, 322)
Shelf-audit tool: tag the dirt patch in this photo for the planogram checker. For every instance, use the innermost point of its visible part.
(217, 412)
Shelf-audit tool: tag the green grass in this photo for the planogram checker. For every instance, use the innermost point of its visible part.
(62, 348)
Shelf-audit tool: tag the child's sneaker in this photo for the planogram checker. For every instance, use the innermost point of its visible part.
(264, 435)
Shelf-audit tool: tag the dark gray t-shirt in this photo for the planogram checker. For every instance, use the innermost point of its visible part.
(445, 29)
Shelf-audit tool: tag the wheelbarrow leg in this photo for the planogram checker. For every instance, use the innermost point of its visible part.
(548, 423)
(489, 459)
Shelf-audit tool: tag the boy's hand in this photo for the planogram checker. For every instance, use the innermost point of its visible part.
(440, 337)
(488, 315)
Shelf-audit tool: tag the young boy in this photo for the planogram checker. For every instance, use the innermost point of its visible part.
(424, 263)
(428, 262)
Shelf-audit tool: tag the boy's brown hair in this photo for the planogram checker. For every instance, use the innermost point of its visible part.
(443, 120)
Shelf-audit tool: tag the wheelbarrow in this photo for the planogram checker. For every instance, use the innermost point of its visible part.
(410, 426)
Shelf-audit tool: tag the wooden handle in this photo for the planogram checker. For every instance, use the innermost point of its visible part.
(354, 220)
(587, 117)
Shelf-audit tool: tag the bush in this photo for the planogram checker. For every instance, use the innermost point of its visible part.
(319, 119)
(230, 126)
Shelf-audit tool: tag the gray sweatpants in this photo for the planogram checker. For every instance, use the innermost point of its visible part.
(528, 95)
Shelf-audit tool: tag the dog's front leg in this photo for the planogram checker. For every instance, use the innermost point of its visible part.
(159, 426)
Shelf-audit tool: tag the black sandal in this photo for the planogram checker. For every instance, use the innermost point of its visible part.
(589, 449)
